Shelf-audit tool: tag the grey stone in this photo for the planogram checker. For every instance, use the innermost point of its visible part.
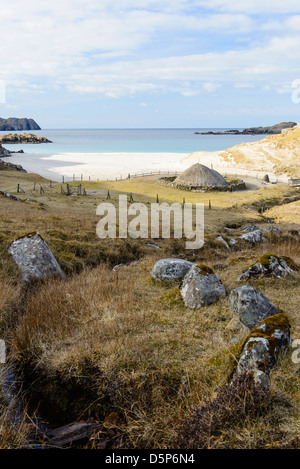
(263, 346)
(34, 258)
(254, 236)
(170, 270)
(200, 287)
(152, 245)
(268, 265)
(10, 196)
(261, 379)
(250, 306)
(222, 240)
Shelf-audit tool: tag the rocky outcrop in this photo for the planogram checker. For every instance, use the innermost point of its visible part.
(10, 196)
(252, 234)
(5, 166)
(263, 346)
(250, 306)
(34, 258)
(201, 286)
(222, 241)
(170, 270)
(270, 130)
(13, 123)
(270, 265)
(23, 138)
(4, 152)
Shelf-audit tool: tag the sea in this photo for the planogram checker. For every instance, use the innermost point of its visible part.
(132, 141)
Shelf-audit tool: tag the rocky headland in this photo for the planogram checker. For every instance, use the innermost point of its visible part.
(271, 130)
(23, 138)
(13, 123)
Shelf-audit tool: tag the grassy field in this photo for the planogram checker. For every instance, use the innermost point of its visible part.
(104, 341)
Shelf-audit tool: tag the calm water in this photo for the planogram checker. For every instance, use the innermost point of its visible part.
(132, 141)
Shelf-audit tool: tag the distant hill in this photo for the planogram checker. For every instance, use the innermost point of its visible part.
(13, 123)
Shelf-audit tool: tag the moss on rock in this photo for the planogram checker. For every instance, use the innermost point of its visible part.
(205, 270)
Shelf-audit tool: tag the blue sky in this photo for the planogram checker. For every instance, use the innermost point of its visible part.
(150, 63)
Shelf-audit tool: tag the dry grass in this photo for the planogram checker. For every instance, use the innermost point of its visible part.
(118, 341)
(105, 341)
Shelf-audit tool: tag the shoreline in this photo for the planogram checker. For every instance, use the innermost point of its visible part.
(96, 166)
(109, 166)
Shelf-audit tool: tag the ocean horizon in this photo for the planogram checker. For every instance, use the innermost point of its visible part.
(183, 140)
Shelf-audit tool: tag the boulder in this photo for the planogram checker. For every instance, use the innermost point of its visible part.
(250, 306)
(273, 229)
(201, 286)
(4, 152)
(252, 235)
(249, 228)
(34, 258)
(222, 240)
(270, 265)
(263, 346)
(170, 270)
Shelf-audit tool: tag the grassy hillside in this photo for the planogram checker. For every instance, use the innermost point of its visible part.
(106, 342)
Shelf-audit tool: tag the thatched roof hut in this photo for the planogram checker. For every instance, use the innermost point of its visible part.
(200, 176)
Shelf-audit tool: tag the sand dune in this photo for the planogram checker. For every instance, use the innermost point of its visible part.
(277, 155)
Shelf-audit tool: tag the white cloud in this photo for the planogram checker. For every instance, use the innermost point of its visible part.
(253, 6)
(210, 87)
(102, 47)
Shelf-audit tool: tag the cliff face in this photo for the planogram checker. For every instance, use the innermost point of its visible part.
(13, 123)
(23, 138)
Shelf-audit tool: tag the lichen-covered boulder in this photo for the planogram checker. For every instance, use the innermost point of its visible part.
(270, 265)
(201, 286)
(34, 258)
(263, 346)
(170, 270)
(250, 306)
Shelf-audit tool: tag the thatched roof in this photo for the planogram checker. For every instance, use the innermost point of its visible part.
(199, 175)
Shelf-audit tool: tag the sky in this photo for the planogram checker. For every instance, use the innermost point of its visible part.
(150, 63)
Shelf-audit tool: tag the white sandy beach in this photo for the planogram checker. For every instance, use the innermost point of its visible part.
(100, 166)
(110, 166)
